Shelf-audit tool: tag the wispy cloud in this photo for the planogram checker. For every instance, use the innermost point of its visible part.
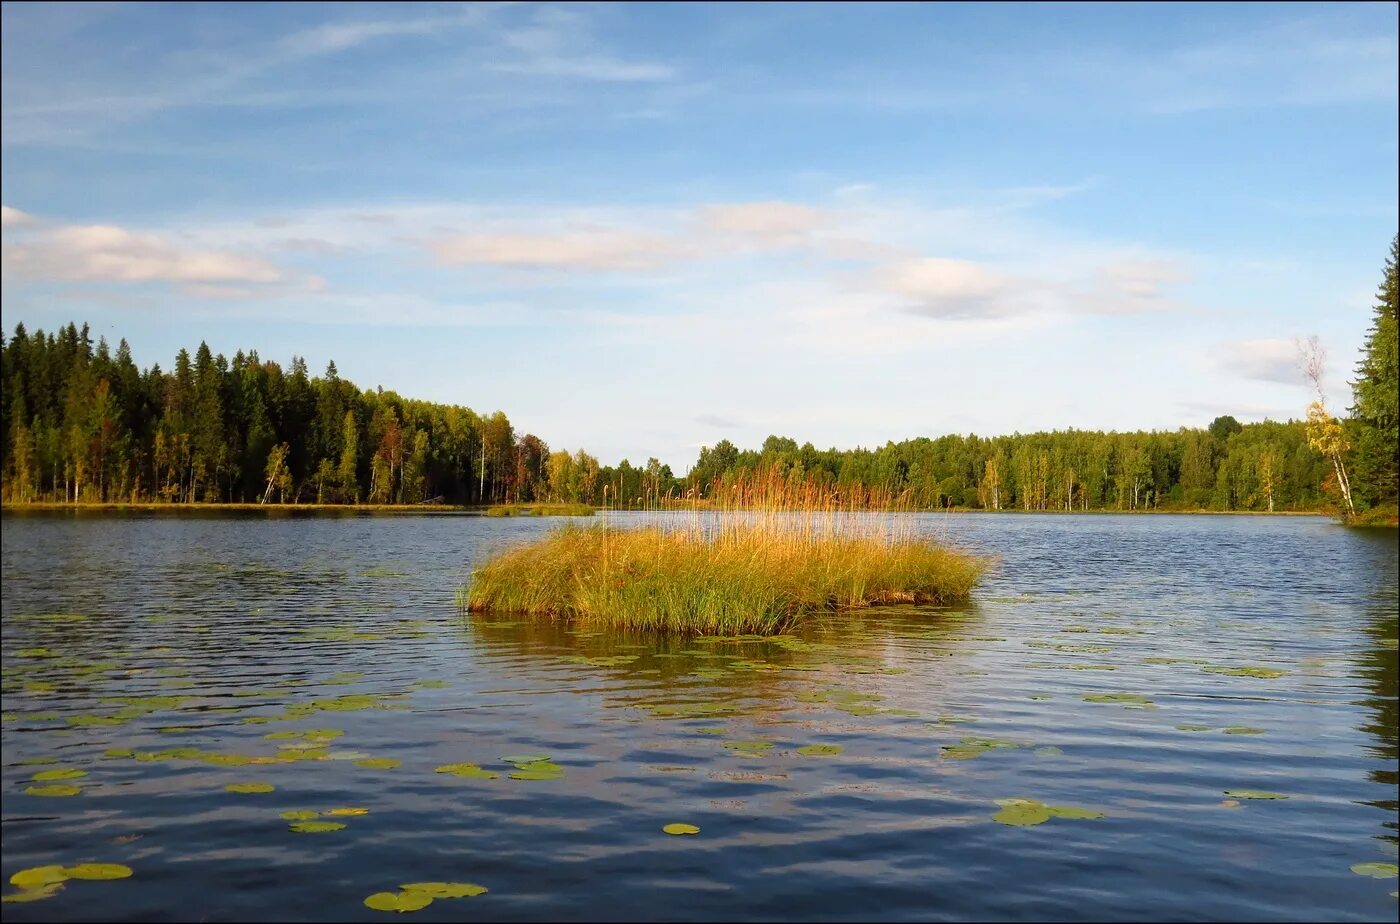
(560, 43)
(590, 250)
(111, 254)
(1267, 360)
(14, 218)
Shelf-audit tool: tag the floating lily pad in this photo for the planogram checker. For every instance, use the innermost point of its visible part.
(1242, 730)
(680, 828)
(446, 889)
(1048, 751)
(250, 787)
(58, 789)
(1264, 672)
(379, 763)
(1374, 870)
(748, 747)
(538, 770)
(299, 815)
(1026, 812)
(1131, 699)
(37, 876)
(67, 773)
(97, 871)
(1193, 728)
(820, 750)
(518, 759)
(469, 771)
(399, 902)
(1253, 794)
(316, 827)
(1021, 812)
(38, 893)
(348, 810)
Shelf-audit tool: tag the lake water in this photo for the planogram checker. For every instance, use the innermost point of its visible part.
(1099, 666)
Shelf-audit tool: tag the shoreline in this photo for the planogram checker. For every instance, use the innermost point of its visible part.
(482, 509)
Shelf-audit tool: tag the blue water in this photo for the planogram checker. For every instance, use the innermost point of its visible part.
(232, 620)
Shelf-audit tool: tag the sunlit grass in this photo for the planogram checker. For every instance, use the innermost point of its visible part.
(772, 553)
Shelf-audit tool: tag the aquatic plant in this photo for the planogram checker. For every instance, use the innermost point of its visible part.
(770, 554)
(540, 510)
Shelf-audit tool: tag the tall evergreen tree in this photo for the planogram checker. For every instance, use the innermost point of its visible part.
(1376, 392)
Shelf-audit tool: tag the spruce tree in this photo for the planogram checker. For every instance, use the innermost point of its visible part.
(1377, 393)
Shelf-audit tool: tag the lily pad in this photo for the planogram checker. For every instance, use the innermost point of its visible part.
(820, 750)
(379, 763)
(38, 893)
(1253, 794)
(1026, 812)
(1374, 870)
(680, 828)
(1021, 812)
(1125, 698)
(399, 902)
(36, 876)
(316, 827)
(748, 746)
(518, 759)
(1264, 672)
(1242, 730)
(250, 787)
(58, 789)
(97, 871)
(446, 889)
(64, 774)
(347, 810)
(1193, 728)
(299, 815)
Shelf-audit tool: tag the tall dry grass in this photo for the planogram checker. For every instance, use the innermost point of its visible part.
(769, 550)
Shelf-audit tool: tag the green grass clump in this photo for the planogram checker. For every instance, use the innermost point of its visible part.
(540, 510)
(745, 575)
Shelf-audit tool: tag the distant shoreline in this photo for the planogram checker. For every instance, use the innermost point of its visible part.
(114, 507)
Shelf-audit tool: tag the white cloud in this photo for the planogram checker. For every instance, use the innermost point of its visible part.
(778, 222)
(942, 288)
(559, 43)
(1267, 360)
(588, 250)
(14, 218)
(107, 253)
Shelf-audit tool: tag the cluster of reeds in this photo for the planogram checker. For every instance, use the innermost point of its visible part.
(770, 550)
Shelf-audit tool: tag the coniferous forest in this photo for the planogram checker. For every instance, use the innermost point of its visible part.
(82, 423)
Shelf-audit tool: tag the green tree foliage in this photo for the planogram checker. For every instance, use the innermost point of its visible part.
(78, 423)
(1376, 392)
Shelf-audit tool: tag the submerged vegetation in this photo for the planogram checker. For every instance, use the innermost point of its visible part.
(776, 550)
(540, 510)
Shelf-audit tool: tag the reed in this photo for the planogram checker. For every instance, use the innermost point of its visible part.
(771, 550)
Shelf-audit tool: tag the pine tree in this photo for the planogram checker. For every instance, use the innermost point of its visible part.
(1376, 393)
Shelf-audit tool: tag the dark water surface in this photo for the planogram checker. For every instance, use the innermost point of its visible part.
(186, 641)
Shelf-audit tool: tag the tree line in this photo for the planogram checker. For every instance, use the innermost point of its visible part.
(81, 423)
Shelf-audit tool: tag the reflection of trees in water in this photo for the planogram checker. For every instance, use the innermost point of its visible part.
(1379, 668)
(851, 648)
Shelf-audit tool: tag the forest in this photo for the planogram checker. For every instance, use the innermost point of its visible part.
(81, 423)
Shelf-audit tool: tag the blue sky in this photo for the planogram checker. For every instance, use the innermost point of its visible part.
(639, 229)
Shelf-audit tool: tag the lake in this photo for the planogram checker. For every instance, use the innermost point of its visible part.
(1174, 673)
